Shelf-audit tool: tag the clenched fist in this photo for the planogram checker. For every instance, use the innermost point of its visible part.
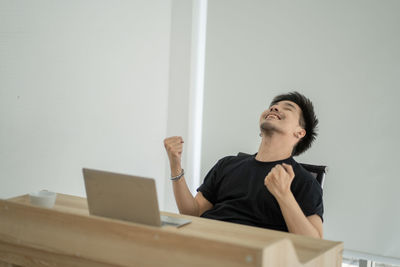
(174, 147)
(279, 179)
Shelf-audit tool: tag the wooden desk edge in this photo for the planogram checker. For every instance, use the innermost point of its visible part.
(335, 247)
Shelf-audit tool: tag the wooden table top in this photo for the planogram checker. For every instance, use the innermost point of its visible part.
(306, 248)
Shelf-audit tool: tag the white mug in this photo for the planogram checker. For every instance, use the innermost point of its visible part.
(43, 198)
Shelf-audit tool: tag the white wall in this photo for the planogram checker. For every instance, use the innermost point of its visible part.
(82, 84)
(345, 56)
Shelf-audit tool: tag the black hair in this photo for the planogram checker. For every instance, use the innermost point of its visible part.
(308, 119)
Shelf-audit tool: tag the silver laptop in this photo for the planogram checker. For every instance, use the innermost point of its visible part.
(125, 197)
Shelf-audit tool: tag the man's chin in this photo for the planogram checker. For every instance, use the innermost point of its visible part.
(268, 128)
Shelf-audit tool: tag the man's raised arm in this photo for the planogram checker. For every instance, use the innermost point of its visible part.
(187, 204)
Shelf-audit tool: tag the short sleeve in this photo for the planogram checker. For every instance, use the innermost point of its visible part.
(209, 188)
(310, 199)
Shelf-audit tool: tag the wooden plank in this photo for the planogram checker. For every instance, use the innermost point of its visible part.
(308, 251)
(7, 264)
(18, 255)
(114, 242)
(306, 248)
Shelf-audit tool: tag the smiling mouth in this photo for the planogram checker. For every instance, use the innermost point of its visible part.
(272, 116)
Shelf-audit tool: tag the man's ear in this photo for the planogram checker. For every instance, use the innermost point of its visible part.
(300, 133)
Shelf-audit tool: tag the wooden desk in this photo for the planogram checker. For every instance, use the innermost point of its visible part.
(67, 235)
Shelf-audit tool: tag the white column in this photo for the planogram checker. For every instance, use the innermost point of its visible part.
(199, 21)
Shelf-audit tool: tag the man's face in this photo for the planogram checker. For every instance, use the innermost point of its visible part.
(283, 118)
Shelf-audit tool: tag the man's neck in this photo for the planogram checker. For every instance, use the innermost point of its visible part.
(273, 148)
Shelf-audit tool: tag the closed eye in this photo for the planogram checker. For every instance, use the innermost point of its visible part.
(288, 106)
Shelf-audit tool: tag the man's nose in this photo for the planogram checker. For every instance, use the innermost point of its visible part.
(274, 108)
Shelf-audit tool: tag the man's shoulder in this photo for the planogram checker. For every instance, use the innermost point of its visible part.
(304, 182)
(233, 160)
(301, 172)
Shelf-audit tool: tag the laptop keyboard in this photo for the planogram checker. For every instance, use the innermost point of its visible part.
(172, 221)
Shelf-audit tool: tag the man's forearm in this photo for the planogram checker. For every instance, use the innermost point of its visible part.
(183, 197)
(295, 219)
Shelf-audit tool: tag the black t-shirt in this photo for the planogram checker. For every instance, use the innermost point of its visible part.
(235, 186)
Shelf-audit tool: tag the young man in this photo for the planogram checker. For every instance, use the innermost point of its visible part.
(269, 189)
